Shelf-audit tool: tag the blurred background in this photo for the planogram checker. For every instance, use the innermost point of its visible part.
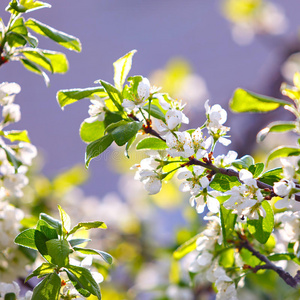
(195, 50)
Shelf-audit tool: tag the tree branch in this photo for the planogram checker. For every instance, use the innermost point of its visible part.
(214, 169)
(287, 277)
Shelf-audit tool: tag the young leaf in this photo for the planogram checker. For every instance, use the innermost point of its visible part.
(52, 222)
(87, 226)
(186, 248)
(111, 117)
(228, 220)
(224, 183)
(68, 41)
(54, 62)
(283, 152)
(128, 145)
(256, 169)
(245, 101)
(78, 286)
(11, 157)
(17, 135)
(48, 288)
(106, 257)
(122, 67)
(122, 134)
(26, 238)
(90, 132)
(85, 279)
(155, 112)
(46, 229)
(25, 6)
(66, 97)
(95, 148)
(75, 242)
(65, 220)
(42, 270)
(59, 250)
(29, 65)
(244, 162)
(152, 143)
(272, 176)
(263, 227)
(114, 94)
(278, 126)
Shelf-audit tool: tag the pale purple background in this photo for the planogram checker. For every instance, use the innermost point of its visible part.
(159, 30)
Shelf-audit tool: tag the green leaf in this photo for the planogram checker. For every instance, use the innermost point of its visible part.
(112, 126)
(186, 248)
(106, 257)
(16, 135)
(17, 34)
(224, 183)
(227, 258)
(68, 41)
(272, 176)
(128, 145)
(263, 227)
(31, 254)
(245, 101)
(284, 256)
(59, 250)
(155, 112)
(122, 67)
(90, 132)
(122, 134)
(75, 242)
(52, 222)
(26, 238)
(283, 152)
(228, 220)
(65, 220)
(95, 148)
(66, 97)
(249, 258)
(114, 94)
(152, 143)
(85, 279)
(11, 157)
(52, 61)
(48, 288)
(244, 162)
(278, 126)
(46, 229)
(42, 270)
(25, 6)
(87, 226)
(10, 296)
(77, 285)
(111, 117)
(29, 65)
(256, 169)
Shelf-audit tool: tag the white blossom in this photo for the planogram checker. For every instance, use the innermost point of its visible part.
(96, 109)
(8, 92)
(283, 189)
(225, 161)
(26, 152)
(11, 113)
(180, 145)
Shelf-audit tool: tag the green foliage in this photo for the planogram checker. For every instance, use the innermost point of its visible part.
(245, 101)
(90, 132)
(283, 152)
(278, 126)
(68, 41)
(263, 227)
(244, 162)
(50, 238)
(122, 67)
(272, 176)
(256, 169)
(152, 143)
(16, 135)
(223, 183)
(66, 97)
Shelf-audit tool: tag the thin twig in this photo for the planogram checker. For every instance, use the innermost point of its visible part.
(287, 277)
